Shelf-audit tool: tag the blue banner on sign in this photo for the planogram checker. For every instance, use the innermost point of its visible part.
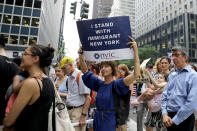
(104, 33)
(105, 38)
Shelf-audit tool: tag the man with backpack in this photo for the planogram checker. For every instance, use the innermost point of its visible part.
(78, 98)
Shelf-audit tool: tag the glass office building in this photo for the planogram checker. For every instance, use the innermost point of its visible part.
(181, 31)
(25, 22)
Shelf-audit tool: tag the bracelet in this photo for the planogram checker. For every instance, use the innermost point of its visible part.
(83, 114)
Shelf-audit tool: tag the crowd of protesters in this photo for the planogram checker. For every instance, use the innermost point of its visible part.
(99, 91)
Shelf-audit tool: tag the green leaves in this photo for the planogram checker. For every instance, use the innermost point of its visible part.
(145, 52)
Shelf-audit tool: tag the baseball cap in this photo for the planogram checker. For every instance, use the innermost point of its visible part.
(65, 60)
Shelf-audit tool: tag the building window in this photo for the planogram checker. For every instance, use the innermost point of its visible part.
(18, 10)
(33, 40)
(5, 36)
(1, 1)
(166, 9)
(170, 15)
(19, 2)
(176, 41)
(182, 41)
(163, 45)
(16, 20)
(15, 29)
(34, 31)
(23, 40)
(192, 25)
(169, 45)
(193, 40)
(27, 11)
(193, 30)
(36, 13)
(8, 9)
(175, 13)
(28, 3)
(1, 8)
(7, 19)
(170, 7)
(35, 22)
(192, 17)
(192, 53)
(37, 4)
(185, 7)
(179, 2)
(181, 26)
(10, 2)
(191, 4)
(5, 28)
(0, 16)
(13, 39)
(26, 21)
(166, 18)
(25, 30)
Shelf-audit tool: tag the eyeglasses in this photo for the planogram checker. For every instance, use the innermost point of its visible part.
(176, 55)
(24, 54)
(57, 70)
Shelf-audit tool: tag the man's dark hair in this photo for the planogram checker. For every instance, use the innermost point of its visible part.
(2, 41)
(181, 49)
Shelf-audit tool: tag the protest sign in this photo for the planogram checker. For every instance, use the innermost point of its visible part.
(105, 39)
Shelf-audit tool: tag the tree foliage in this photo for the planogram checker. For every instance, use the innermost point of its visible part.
(145, 52)
(148, 51)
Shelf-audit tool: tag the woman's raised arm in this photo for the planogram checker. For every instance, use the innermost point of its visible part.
(82, 63)
(132, 77)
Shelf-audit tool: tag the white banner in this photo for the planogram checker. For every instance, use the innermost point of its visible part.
(108, 55)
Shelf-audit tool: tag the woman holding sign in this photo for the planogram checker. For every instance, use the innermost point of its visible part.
(105, 115)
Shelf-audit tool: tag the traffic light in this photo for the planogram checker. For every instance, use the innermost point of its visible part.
(73, 8)
(84, 10)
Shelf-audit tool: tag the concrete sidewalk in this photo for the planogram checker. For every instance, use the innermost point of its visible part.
(132, 125)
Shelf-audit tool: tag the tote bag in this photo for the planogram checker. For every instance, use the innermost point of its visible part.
(58, 116)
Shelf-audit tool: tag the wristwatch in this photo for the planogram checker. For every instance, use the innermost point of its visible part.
(83, 114)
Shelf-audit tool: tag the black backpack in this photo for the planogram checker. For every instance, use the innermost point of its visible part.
(122, 106)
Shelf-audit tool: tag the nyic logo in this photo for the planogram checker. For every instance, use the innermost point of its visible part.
(108, 55)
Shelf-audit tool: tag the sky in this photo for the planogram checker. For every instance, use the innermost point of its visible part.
(71, 37)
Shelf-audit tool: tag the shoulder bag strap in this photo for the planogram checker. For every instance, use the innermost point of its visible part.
(53, 116)
(77, 79)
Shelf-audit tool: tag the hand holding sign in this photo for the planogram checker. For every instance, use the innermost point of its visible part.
(80, 51)
(132, 43)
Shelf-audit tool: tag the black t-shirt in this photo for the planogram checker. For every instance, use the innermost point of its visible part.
(8, 70)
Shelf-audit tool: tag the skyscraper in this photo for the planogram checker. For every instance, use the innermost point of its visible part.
(153, 13)
(167, 23)
(125, 8)
(101, 8)
(25, 22)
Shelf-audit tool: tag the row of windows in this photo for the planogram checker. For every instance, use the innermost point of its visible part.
(19, 40)
(20, 11)
(26, 3)
(19, 29)
(18, 20)
(170, 41)
(176, 20)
